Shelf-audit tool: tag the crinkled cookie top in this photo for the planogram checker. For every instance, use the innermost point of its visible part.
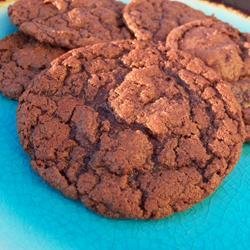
(131, 129)
(70, 23)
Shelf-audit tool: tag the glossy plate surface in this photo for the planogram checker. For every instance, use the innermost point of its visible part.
(35, 217)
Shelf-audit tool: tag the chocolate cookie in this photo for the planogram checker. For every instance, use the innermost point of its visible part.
(154, 19)
(21, 58)
(70, 24)
(132, 130)
(221, 47)
(241, 90)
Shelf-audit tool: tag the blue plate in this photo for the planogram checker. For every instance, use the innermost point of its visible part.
(35, 217)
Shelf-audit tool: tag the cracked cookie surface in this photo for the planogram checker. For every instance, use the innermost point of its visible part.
(68, 23)
(21, 59)
(131, 129)
(224, 49)
(241, 90)
(154, 19)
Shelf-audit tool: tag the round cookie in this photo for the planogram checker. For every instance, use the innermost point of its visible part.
(21, 58)
(154, 19)
(130, 129)
(70, 24)
(221, 47)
